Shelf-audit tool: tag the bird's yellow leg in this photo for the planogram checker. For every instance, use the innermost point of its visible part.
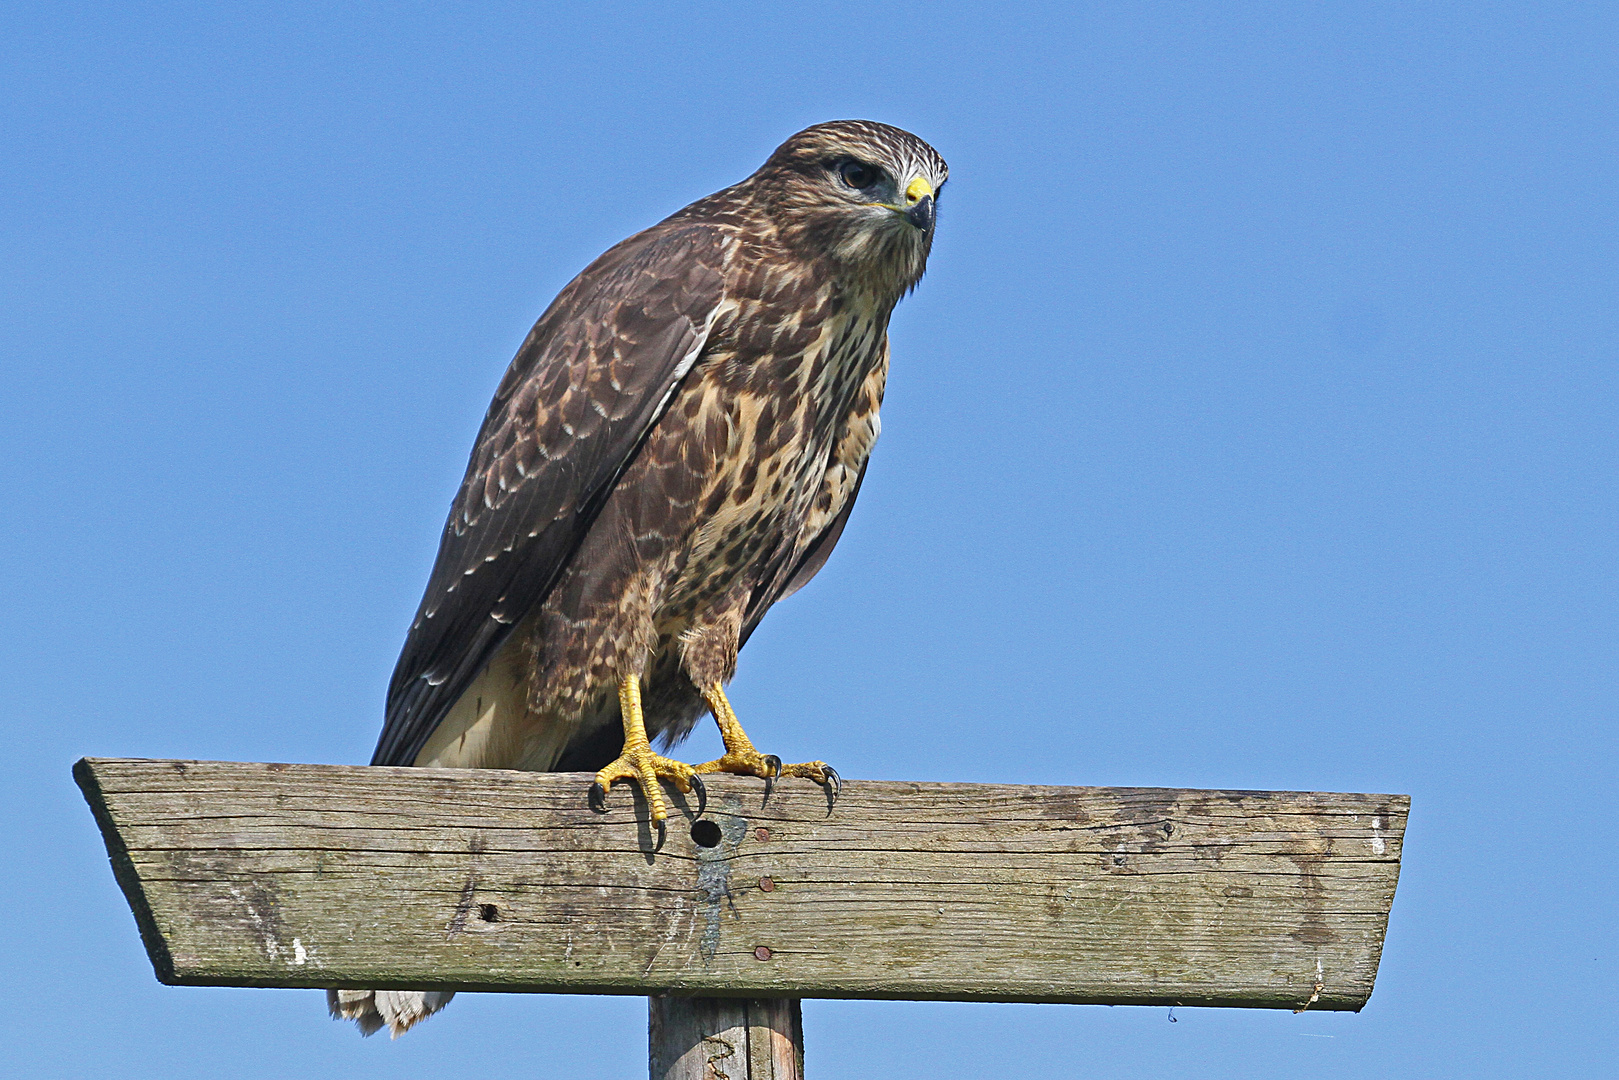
(640, 764)
(741, 757)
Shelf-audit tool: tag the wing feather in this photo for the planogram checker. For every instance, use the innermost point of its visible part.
(588, 384)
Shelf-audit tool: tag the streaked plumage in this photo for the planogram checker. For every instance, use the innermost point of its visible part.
(676, 446)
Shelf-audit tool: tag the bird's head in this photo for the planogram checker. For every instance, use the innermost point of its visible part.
(860, 193)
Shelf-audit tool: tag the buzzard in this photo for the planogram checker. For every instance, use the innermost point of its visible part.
(676, 446)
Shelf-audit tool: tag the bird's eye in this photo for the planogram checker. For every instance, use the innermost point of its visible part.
(857, 174)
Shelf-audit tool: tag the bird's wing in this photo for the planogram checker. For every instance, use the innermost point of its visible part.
(590, 381)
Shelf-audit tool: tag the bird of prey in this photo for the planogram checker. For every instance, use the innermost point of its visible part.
(676, 446)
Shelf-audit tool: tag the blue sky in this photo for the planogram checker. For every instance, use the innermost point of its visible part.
(1254, 427)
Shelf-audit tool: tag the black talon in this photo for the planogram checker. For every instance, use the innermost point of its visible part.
(702, 794)
(774, 764)
(598, 798)
(663, 834)
(835, 780)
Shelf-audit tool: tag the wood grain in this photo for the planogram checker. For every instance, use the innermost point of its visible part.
(343, 876)
(709, 1038)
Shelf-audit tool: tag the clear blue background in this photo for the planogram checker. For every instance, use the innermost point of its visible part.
(1254, 427)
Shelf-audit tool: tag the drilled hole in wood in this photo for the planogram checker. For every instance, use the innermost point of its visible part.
(488, 913)
(705, 834)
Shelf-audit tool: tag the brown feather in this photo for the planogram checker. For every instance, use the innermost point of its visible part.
(622, 514)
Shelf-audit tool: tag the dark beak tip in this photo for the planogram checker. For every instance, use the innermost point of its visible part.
(921, 215)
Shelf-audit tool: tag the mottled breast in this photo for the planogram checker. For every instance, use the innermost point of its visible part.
(773, 396)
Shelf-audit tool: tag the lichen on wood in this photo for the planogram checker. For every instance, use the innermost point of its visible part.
(340, 876)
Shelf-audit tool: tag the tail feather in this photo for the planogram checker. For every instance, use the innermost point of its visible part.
(400, 1010)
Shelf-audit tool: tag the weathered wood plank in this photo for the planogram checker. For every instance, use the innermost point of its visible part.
(324, 875)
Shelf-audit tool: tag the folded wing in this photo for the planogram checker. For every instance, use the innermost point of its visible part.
(591, 380)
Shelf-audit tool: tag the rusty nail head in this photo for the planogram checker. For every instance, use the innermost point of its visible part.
(762, 953)
(767, 885)
(762, 833)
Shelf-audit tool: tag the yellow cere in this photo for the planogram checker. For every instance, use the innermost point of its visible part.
(918, 190)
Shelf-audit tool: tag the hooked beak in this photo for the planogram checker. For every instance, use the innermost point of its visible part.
(921, 215)
(919, 202)
(918, 208)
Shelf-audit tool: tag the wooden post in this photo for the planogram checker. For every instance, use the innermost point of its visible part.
(726, 1038)
(361, 877)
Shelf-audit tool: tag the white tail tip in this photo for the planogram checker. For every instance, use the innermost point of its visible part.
(399, 1009)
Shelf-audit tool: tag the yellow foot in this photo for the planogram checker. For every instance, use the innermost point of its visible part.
(740, 756)
(640, 764)
(749, 762)
(644, 767)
